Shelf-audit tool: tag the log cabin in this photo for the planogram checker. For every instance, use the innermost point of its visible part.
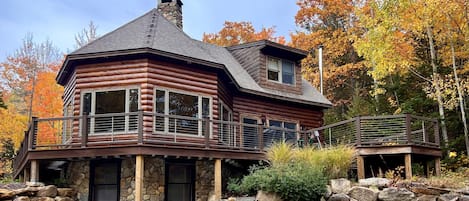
(152, 114)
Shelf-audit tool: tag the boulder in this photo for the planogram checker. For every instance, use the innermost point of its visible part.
(47, 191)
(363, 194)
(425, 191)
(66, 192)
(340, 185)
(6, 194)
(377, 182)
(339, 197)
(42, 199)
(328, 192)
(266, 196)
(22, 198)
(395, 194)
(60, 198)
(427, 198)
(448, 197)
(464, 198)
(34, 184)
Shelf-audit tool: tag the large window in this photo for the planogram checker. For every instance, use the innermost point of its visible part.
(286, 132)
(180, 112)
(107, 109)
(280, 70)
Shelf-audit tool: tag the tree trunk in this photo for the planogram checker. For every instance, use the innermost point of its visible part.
(436, 83)
(461, 103)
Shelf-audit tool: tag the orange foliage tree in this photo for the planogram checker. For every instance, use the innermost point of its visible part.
(234, 33)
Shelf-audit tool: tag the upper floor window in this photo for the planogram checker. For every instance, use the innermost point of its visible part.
(179, 112)
(280, 70)
(111, 110)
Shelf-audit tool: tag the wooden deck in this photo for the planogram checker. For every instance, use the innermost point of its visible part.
(67, 138)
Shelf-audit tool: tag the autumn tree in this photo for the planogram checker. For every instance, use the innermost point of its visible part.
(234, 33)
(332, 24)
(86, 35)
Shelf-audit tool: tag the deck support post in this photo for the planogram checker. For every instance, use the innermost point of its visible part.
(408, 166)
(217, 182)
(437, 166)
(26, 175)
(139, 170)
(34, 176)
(360, 167)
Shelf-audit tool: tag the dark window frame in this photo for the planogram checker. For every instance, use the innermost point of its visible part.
(93, 164)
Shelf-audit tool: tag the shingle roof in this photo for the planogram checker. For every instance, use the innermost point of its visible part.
(153, 31)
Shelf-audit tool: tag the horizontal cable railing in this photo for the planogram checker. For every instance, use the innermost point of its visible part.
(140, 127)
(386, 130)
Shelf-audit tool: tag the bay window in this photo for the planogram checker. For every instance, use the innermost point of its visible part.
(107, 109)
(280, 70)
(181, 113)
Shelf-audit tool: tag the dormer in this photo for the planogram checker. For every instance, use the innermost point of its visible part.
(271, 65)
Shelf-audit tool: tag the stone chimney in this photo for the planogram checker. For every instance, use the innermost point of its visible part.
(171, 10)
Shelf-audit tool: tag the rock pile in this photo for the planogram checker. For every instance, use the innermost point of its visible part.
(35, 192)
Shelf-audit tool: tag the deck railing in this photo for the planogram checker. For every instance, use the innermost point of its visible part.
(136, 128)
(382, 131)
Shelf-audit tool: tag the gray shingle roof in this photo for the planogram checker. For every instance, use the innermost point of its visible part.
(153, 31)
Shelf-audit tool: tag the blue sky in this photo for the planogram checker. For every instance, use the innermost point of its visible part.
(61, 20)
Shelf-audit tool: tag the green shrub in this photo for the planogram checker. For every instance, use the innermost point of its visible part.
(296, 174)
(294, 182)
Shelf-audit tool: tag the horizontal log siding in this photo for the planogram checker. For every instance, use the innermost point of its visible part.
(225, 94)
(307, 116)
(185, 79)
(249, 58)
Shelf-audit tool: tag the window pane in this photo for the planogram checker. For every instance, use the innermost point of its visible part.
(86, 103)
(159, 101)
(205, 108)
(110, 102)
(290, 136)
(275, 123)
(250, 134)
(272, 135)
(159, 108)
(287, 72)
(183, 105)
(273, 64)
(133, 100)
(272, 75)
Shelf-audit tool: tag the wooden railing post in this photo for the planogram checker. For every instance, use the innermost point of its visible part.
(436, 128)
(84, 130)
(358, 128)
(32, 134)
(408, 128)
(260, 136)
(140, 127)
(207, 133)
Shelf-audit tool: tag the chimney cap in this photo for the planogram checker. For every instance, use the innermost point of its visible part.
(179, 2)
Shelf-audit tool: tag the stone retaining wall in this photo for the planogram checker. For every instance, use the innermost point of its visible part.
(78, 177)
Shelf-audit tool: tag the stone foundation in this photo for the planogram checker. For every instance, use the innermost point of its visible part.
(153, 182)
(204, 179)
(78, 177)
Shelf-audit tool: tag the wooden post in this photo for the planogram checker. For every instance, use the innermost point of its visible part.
(32, 134)
(436, 128)
(408, 166)
(26, 175)
(84, 130)
(408, 128)
(140, 127)
(358, 134)
(34, 171)
(437, 166)
(207, 133)
(428, 169)
(260, 136)
(360, 167)
(139, 170)
(218, 182)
